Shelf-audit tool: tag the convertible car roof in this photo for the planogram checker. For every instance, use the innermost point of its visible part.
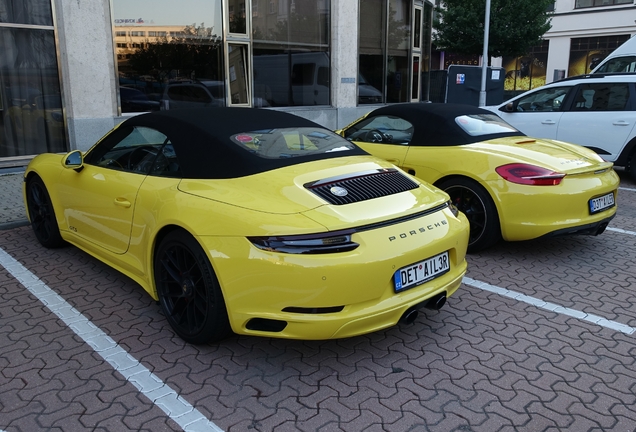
(201, 139)
(435, 123)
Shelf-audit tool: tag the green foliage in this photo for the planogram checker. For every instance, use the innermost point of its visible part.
(515, 26)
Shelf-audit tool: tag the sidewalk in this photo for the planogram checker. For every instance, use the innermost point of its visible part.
(12, 212)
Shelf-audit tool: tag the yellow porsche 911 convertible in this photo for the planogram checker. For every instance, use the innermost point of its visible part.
(508, 185)
(253, 221)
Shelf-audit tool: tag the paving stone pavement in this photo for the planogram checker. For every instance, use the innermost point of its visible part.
(484, 362)
(12, 212)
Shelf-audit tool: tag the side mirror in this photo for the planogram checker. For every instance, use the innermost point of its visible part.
(73, 160)
(509, 107)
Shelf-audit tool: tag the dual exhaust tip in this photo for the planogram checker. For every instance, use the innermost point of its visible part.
(434, 303)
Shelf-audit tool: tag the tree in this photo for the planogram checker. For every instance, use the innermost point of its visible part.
(196, 52)
(515, 26)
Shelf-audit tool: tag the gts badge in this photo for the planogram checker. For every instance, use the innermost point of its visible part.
(420, 230)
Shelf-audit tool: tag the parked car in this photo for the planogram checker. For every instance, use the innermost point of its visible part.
(595, 111)
(193, 94)
(622, 59)
(509, 185)
(134, 100)
(253, 221)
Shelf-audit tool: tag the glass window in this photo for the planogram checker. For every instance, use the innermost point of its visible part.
(175, 52)
(619, 64)
(550, 99)
(587, 53)
(140, 149)
(291, 53)
(31, 116)
(237, 18)
(483, 124)
(384, 55)
(287, 143)
(381, 129)
(33, 12)
(601, 97)
(595, 3)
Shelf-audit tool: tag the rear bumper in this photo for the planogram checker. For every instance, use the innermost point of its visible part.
(340, 294)
(594, 229)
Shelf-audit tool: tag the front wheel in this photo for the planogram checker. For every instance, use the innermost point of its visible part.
(480, 210)
(41, 214)
(188, 290)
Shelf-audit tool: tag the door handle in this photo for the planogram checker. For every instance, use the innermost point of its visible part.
(548, 122)
(620, 123)
(122, 202)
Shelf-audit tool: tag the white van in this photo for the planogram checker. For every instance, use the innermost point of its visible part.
(622, 59)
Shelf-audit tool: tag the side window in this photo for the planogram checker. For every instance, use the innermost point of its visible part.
(601, 97)
(550, 99)
(135, 149)
(166, 164)
(619, 64)
(381, 129)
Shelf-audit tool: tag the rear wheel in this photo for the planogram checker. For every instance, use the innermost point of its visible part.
(480, 210)
(631, 166)
(41, 213)
(188, 290)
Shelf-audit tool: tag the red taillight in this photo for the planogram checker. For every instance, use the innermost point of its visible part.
(529, 175)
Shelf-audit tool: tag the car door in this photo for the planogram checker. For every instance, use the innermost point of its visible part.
(99, 200)
(602, 120)
(538, 113)
(386, 137)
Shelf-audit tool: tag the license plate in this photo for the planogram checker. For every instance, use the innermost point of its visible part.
(420, 272)
(601, 203)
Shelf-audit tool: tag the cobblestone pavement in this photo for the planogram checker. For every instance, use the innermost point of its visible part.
(540, 337)
(12, 212)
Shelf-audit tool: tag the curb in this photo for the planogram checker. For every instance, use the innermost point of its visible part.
(11, 225)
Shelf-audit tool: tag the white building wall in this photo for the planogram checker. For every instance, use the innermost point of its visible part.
(568, 23)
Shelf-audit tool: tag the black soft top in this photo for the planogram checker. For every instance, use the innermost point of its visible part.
(435, 125)
(201, 138)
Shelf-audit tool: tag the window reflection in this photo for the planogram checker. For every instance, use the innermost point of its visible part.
(291, 52)
(34, 12)
(384, 54)
(238, 23)
(171, 57)
(32, 119)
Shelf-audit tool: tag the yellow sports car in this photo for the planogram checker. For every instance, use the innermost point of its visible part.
(253, 221)
(508, 185)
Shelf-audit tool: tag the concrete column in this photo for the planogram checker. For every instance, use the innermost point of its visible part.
(84, 31)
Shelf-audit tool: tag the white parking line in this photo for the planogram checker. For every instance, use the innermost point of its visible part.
(622, 231)
(159, 393)
(627, 189)
(550, 306)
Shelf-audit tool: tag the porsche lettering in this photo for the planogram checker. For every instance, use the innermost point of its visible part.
(419, 230)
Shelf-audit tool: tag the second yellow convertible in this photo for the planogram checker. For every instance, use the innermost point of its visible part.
(509, 185)
(253, 221)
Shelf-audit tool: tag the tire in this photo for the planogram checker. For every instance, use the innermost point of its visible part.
(480, 210)
(42, 215)
(188, 290)
(631, 166)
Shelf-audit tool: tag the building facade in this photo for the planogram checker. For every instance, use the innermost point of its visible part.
(583, 33)
(70, 71)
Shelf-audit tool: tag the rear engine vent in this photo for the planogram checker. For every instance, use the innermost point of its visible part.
(362, 186)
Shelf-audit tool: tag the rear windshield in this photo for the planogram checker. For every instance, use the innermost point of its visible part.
(483, 124)
(288, 143)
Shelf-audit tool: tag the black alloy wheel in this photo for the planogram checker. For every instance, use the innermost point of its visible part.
(188, 290)
(42, 215)
(475, 202)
